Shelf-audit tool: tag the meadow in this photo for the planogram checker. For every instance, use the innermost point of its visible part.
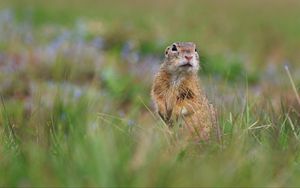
(75, 79)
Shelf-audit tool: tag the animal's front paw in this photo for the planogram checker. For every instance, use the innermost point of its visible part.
(185, 112)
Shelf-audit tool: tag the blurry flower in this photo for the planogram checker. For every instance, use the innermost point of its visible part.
(130, 123)
(129, 52)
(98, 43)
(6, 24)
(2, 59)
(127, 48)
(77, 93)
(6, 17)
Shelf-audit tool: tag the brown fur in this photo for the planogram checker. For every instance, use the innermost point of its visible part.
(178, 97)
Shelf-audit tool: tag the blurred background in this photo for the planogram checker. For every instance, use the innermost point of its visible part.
(68, 68)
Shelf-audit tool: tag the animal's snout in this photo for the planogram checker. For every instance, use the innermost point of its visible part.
(188, 57)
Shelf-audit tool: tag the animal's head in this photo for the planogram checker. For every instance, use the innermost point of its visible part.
(182, 57)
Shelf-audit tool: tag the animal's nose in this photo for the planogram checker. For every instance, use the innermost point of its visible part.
(188, 57)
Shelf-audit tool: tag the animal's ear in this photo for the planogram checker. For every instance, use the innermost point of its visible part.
(167, 51)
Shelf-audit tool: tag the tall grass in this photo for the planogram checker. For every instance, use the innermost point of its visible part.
(74, 143)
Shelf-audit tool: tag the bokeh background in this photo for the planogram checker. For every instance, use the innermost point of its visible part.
(75, 78)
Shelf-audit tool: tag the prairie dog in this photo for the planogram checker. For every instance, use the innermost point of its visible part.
(177, 95)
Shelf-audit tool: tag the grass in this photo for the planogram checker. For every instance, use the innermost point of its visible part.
(75, 81)
(69, 145)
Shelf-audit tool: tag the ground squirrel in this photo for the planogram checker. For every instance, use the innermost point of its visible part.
(177, 95)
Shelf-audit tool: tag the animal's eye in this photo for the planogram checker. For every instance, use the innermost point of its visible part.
(196, 50)
(174, 48)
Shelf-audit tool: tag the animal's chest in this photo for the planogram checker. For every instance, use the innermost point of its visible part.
(179, 100)
(178, 95)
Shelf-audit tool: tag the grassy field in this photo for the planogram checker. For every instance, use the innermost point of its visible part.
(75, 79)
